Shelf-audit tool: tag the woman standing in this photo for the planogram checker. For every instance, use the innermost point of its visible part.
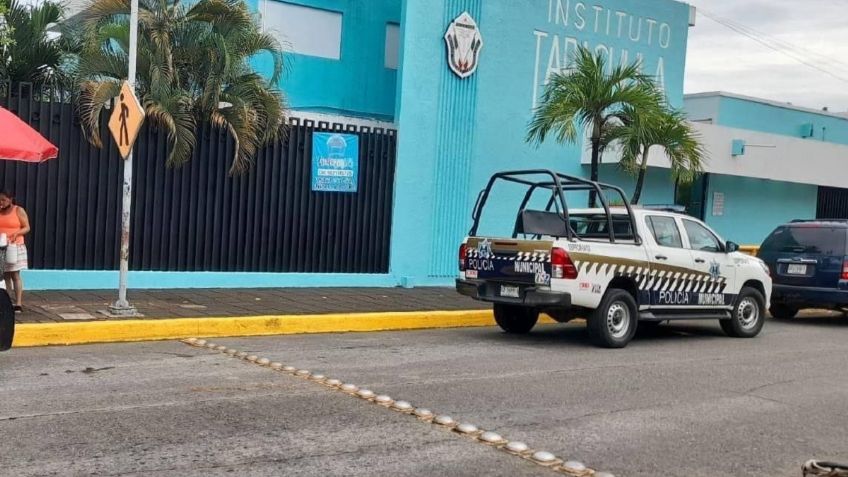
(14, 223)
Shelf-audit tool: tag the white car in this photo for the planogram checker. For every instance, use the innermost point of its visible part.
(590, 263)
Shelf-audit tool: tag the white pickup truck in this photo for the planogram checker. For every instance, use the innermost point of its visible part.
(619, 267)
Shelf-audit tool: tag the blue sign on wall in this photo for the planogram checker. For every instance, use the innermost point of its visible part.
(335, 162)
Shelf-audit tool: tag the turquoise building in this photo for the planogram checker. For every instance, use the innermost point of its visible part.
(455, 132)
(461, 114)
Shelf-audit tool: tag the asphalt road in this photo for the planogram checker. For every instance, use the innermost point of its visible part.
(685, 401)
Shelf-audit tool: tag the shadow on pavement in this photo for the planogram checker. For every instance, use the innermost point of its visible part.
(559, 335)
(835, 320)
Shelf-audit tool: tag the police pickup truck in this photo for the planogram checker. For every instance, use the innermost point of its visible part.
(619, 267)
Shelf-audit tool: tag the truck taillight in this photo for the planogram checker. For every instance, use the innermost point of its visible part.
(561, 265)
(845, 270)
(463, 253)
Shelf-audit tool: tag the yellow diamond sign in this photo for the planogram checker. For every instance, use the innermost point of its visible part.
(125, 122)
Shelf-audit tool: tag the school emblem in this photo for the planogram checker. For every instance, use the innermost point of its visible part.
(464, 44)
(484, 249)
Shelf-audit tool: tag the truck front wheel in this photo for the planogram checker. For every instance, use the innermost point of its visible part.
(517, 320)
(748, 315)
(613, 323)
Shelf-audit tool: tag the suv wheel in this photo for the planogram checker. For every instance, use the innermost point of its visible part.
(613, 323)
(783, 312)
(748, 315)
(517, 320)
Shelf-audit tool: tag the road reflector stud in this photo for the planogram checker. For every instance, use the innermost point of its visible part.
(231, 352)
(276, 366)
(349, 388)
(446, 421)
(252, 358)
(603, 474)
(422, 413)
(263, 361)
(211, 345)
(200, 342)
(220, 348)
(466, 428)
(402, 406)
(289, 369)
(365, 394)
(241, 355)
(574, 467)
(544, 458)
(333, 383)
(490, 437)
(516, 447)
(303, 373)
(384, 400)
(318, 378)
(190, 341)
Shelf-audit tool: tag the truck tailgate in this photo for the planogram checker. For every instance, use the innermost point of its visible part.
(508, 260)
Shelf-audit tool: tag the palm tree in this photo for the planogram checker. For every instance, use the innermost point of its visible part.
(193, 68)
(642, 130)
(29, 50)
(590, 95)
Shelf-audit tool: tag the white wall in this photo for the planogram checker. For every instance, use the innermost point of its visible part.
(702, 109)
(767, 156)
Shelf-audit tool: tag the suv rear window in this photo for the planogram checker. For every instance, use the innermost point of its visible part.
(807, 239)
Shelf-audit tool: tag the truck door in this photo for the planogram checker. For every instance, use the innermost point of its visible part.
(666, 253)
(708, 256)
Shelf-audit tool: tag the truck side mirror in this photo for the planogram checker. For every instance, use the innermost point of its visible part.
(731, 247)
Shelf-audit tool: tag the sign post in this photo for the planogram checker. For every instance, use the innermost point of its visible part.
(127, 116)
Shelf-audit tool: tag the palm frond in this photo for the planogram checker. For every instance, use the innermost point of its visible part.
(173, 114)
(93, 96)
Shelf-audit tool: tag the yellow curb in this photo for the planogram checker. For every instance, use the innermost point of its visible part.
(46, 334)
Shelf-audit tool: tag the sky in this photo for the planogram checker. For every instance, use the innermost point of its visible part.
(814, 31)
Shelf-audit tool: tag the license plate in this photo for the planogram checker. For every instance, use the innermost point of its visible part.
(509, 292)
(796, 269)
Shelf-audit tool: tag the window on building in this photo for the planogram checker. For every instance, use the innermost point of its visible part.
(392, 45)
(305, 30)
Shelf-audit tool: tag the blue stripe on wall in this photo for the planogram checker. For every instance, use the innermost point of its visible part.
(457, 121)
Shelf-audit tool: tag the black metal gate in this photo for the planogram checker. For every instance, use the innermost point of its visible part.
(197, 218)
(832, 204)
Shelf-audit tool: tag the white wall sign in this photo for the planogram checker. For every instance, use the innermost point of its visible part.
(464, 44)
(718, 204)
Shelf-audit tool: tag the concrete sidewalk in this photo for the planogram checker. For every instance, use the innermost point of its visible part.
(76, 306)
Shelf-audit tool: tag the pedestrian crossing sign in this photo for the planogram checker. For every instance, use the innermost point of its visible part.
(126, 119)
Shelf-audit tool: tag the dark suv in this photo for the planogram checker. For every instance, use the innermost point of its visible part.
(809, 265)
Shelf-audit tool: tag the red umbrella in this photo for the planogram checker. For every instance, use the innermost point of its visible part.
(20, 142)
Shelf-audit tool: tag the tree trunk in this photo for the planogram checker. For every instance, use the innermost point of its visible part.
(596, 153)
(640, 180)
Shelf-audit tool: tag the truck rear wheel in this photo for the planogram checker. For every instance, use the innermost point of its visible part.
(748, 315)
(517, 320)
(613, 323)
